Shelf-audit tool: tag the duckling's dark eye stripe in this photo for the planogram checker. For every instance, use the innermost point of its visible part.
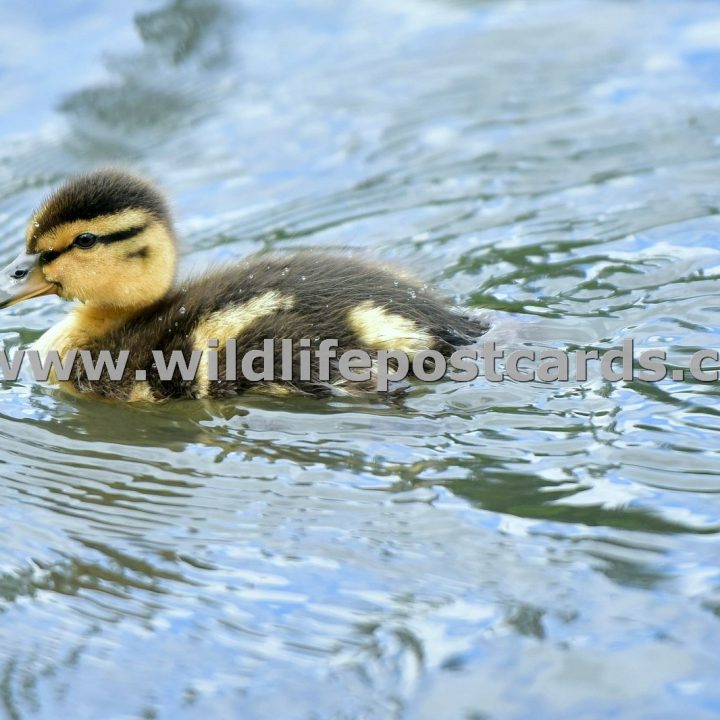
(121, 234)
(49, 255)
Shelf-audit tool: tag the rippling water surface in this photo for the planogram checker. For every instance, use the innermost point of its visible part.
(469, 551)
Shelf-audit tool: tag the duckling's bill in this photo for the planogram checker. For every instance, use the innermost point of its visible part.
(23, 279)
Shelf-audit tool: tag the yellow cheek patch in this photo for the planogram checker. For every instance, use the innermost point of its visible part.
(126, 274)
(382, 330)
(62, 236)
(223, 325)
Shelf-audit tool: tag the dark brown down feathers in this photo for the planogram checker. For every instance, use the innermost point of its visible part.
(325, 288)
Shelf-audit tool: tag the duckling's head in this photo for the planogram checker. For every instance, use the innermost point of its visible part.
(104, 238)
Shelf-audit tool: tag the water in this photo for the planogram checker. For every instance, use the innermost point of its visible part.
(471, 551)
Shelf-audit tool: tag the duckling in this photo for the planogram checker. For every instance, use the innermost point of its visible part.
(106, 239)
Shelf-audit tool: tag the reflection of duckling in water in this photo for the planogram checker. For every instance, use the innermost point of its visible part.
(106, 239)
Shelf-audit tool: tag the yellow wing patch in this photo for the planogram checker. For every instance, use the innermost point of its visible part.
(229, 323)
(382, 330)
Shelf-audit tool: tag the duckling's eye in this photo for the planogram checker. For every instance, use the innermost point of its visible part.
(85, 240)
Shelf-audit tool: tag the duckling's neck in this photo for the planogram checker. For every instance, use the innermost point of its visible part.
(92, 322)
(82, 325)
